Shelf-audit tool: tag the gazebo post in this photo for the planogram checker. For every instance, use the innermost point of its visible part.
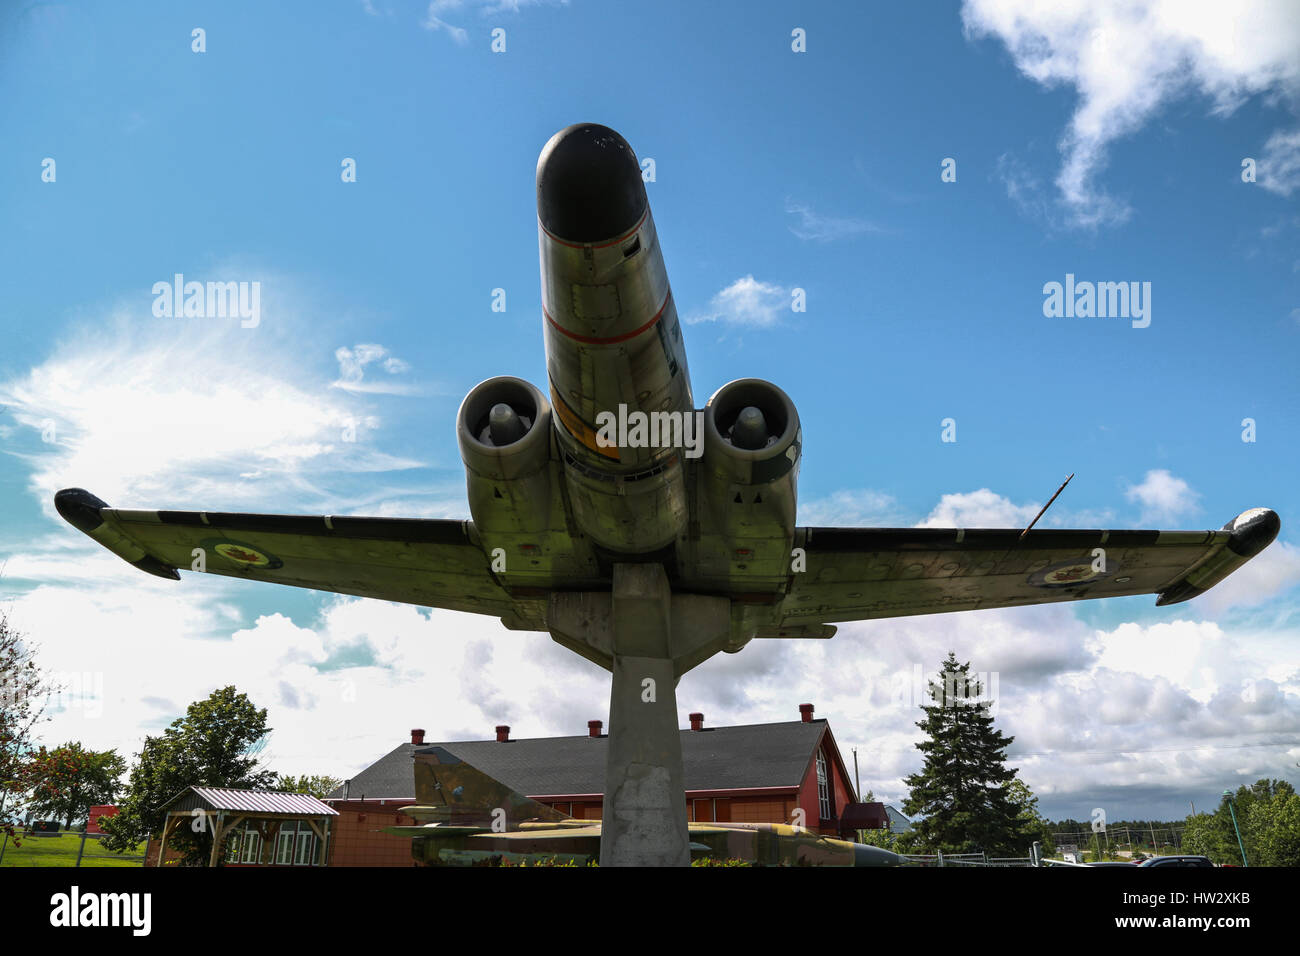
(168, 821)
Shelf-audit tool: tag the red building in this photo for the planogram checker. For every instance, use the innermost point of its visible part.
(96, 812)
(790, 772)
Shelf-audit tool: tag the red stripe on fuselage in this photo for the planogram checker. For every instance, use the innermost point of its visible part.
(612, 340)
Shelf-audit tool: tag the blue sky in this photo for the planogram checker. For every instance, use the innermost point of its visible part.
(1101, 140)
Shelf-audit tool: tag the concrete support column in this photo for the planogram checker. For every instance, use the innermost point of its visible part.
(643, 822)
(648, 637)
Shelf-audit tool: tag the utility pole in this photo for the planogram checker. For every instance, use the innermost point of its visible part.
(856, 778)
(1242, 848)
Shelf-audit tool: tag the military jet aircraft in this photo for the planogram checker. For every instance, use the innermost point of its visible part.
(475, 819)
(640, 532)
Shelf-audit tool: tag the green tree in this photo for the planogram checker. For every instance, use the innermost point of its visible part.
(24, 690)
(1273, 824)
(216, 744)
(1026, 804)
(67, 781)
(317, 785)
(1204, 835)
(962, 790)
(1213, 835)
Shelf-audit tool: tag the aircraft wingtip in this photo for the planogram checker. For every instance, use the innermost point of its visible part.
(79, 508)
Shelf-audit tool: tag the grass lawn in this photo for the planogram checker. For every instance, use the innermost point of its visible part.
(61, 850)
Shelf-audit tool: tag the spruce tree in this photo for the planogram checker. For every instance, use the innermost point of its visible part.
(962, 791)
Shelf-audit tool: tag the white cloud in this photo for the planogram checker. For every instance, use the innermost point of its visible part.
(352, 370)
(851, 508)
(1274, 570)
(1162, 496)
(979, 509)
(1279, 164)
(434, 16)
(340, 692)
(147, 414)
(820, 228)
(433, 19)
(746, 302)
(1128, 58)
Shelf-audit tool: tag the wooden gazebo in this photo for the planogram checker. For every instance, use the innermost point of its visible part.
(224, 811)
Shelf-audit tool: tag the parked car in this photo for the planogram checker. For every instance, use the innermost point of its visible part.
(1177, 861)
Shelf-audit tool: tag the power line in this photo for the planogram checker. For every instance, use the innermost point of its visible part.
(1171, 750)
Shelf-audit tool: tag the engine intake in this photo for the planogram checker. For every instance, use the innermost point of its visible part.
(503, 429)
(747, 488)
(751, 432)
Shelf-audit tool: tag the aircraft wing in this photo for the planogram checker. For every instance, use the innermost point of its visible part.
(430, 562)
(862, 574)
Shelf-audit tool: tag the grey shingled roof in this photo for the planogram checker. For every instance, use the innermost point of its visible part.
(720, 758)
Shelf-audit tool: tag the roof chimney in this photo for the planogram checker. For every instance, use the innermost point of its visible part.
(806, 712)
(593, 728)
(503, 733)
(417, 735)
(697, 721)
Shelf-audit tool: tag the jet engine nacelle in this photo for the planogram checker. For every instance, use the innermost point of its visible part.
(748, 473)
(504, 432)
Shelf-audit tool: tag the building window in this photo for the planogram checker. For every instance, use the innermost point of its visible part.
(232, 847)
(284, 843)
(823, 788)
(252, 846)
(306, 844)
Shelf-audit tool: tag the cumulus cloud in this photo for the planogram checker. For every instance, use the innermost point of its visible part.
(1162, 496)
(340, 690)
(1270, 573)
(1128, 58)
(746, 302)
(979, 509)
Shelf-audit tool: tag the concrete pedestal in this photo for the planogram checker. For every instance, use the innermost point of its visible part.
(647, 637)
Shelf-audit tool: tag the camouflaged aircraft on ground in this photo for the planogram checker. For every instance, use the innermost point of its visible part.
(476, 820)
(604, 517)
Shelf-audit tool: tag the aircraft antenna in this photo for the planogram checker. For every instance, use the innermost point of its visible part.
(1046, 506)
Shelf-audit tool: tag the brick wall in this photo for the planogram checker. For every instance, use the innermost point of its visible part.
(356, 839)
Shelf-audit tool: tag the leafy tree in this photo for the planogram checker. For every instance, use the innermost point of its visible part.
(317, 785)
(1213, 835)
(24, 689)
(1273, 826)
(1026, 804)
(216, 744)
(1204, 836)
(962, 789)
(68, 780)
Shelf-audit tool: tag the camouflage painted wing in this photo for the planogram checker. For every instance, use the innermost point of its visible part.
(861, 574)
(429, 562)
